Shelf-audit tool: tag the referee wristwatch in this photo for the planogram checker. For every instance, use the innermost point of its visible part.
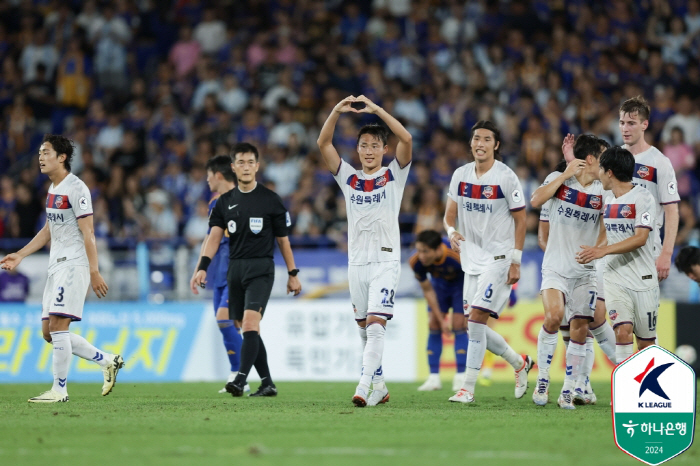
(293, 272)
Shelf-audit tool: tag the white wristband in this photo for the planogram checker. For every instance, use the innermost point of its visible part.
(450, 230)
(517, 256)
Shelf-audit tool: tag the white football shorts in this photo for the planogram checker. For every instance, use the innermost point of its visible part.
(65, 293)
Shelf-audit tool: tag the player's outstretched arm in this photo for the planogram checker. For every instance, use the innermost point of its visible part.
(431, 299)
(547, 191)
(293, 283)
(663, 262)
(10, 261)
(210, 247)
(325, 138)
(96, 281)
(590, 253)
(449, 222)
(193, 286)
(404, 149)
(520, 219)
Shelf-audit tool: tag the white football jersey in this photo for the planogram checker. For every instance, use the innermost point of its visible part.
(65, 204)
(484, 216)
(373, 203)
(634, 270)
(574, 220)
(653, 171)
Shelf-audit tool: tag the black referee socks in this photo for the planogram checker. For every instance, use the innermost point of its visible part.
(261, 365)
(249, 353)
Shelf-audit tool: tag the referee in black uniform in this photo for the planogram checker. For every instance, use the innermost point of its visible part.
(254, 217)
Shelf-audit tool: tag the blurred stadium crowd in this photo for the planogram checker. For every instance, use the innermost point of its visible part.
(149, 90)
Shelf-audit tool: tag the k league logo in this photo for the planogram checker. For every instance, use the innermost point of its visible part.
(653, 405)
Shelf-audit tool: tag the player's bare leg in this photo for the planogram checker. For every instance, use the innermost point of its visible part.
(553, 301)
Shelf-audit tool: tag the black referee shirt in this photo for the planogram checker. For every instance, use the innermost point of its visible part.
(253, 221)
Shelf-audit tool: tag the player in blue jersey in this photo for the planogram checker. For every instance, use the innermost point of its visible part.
(221, 179)
(442, 292)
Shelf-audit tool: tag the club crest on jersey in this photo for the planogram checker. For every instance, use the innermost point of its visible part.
(59, 201)
(566, 193)
(596, 202)
(643, 172)
(626, 211)
(488, 192)
(379, 182)
(256, 224)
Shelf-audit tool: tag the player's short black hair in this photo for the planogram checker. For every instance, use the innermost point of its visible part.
(491, 126)
(62, 145)
(687, 258)
(638, 105)
(620, 161)
(380, 132)
(221, 164)
(561, 166)
(430, 238)
(587, 144)
(244, 148)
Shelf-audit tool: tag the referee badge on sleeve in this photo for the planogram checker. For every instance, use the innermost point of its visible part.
(256, 224)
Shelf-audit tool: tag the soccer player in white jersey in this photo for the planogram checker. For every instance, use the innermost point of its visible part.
(485, 221)
(631, 280)
(72, 269)
(653, 171)
(373, 199)
(574, 201)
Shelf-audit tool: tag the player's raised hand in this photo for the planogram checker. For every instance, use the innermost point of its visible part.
(293, 285)
(10, 261)
(200, 278)
(345, 105)
(574, 167)
(588, 254)
(513, 274)
(98, 284)
(663, 267)
(455, 240)
(567, 147)
(193, 285)
(370, 107)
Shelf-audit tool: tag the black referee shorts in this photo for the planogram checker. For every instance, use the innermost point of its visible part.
(249, 285)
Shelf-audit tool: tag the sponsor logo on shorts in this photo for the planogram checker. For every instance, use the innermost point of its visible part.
(60, 259)
(465, 305)
(497, 258)
(646, 277)
(387, 249)
(613, 314)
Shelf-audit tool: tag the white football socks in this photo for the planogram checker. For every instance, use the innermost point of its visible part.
(83, 349)
(61, 360)
(475, 354)
(623, 351)
(590, 359)
(575, 361)
(378, 377)
(605, 336)
(372, 355)
(498, 346)
(546, 346)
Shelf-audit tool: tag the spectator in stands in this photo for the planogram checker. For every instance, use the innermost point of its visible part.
(14, 286)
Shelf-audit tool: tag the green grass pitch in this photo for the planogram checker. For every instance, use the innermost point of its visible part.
(307, 424)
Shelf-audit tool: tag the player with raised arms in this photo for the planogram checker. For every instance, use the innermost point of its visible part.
(373, 200)
(442, 291)
(73, 268)
(485, 202)
(631, 280)
(574, 201)
(221, 179)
